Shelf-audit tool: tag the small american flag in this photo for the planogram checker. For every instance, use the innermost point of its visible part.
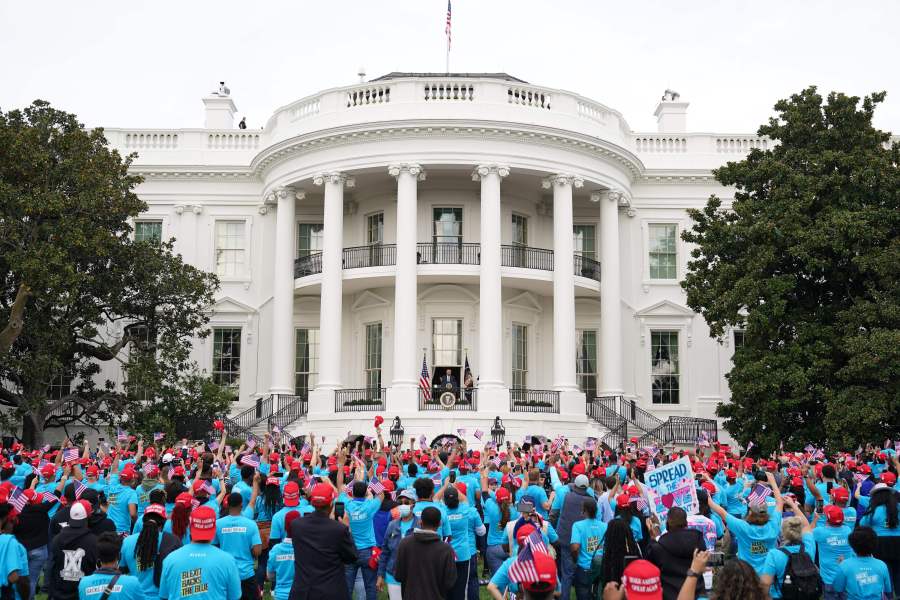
(207, 487)
(251, 460)
(576, 448)
(376, 487)
(523, 568)
(758, 495)
(424, 384)
(496, 461)
(147, 468)
(536, 541)
(557, 444)
(251, 441)
(49, 497)
(158, 436)
(194, 503)
(590, 444)
(810, 448)
(478, 434)
(749, 446)
(213, 445)
(436, 478)
(121, 435)
(367, 439)
(17, 499)
(461, 432)
(447, 28)
(46, 448)
(348, 489)
(703, 440)
(305, 448)
(79, 489)
(70, 454)
(276, 429)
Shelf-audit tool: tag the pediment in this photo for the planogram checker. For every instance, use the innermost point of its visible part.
(369, 299)
(665, 308)
(228, 305)
(526, 301)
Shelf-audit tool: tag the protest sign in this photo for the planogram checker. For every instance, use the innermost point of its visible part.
(672, 485)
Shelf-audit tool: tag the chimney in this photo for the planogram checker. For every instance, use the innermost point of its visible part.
(219, 109)
(671, 113)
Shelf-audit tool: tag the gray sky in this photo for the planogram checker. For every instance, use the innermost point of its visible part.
(146, 64)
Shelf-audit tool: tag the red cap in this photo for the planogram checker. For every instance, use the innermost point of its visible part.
(796, 481)
(184, 499)
(502, 494)
(523, 532)
(623, 500)
(578, 469)
(288, 519)
(48, 471)
(292, 493)
(393, 470)
(864, 469)
(322, 495)
(709, 487)
(274, 457)
(545, 567)
(641, 581)
(840, 494)
(834, 514)
(178, 471)
(888, 478)
(203, 524)
(32, 496)
(731, 474)
(156, 509)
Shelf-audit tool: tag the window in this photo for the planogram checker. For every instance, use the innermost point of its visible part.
(310, 238)
(738, 339)
(226, 367)
(375, 229)
(448, 225)
(663, 255)
(373, 355)
(519, 356)
(60, 386)
(306, 361)
(446, 341)
(148, 231)
(585, 241)
(586, 361)
(519, 230)
(664, 367)
(230, 248)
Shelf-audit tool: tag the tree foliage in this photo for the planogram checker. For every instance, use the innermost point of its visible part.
(93, 295)
(806, 260)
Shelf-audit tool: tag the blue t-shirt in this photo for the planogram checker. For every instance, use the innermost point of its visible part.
(281, 564)
(445, 525)
(833, 549)
(143, 497)
(237, 535)
(754, 541)
(361, 512)
(91, 587)
(776, 562)
(120, 497)
(863, 578)
(199, 572)
(496, 535)
(501, 577)
(459, 519)
(246, 491)
(13, 558)
(589, 533)
(129, 560)
(878, 521)
(538, 494)
(277, 532)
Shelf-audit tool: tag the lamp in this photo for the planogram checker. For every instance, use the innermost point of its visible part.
(498, 431)
(397, 433)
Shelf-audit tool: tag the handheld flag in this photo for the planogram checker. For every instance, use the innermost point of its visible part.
(376, 487)
(70, 454)
(80, 488)
(158, 436)
(251, 460)
(758, 495)
(121, 435)
(17, 499)
(523, 568)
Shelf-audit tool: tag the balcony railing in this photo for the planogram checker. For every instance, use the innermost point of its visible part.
(465, 399)
(444, 253)
(537, 401)
(526, 258)
(587, 267)
(290, 408)
(308, 265)
(374, 255)
(359, 399)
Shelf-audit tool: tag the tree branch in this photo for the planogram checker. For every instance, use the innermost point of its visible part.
(102, 352)
(16, 319)
(7, 398)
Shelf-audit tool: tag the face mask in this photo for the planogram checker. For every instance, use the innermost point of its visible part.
(404, 510)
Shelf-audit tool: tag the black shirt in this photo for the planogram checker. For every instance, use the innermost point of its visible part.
(33, 528)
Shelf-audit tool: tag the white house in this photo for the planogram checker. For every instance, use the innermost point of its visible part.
(435, 218)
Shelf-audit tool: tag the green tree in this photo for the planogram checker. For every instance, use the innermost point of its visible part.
(807, 259)
(92, 295)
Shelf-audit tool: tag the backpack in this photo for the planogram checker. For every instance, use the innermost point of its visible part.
(801, 577)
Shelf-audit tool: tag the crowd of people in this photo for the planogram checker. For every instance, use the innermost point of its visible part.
(535, 520)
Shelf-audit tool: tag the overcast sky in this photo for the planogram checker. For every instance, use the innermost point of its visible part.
(147, 64)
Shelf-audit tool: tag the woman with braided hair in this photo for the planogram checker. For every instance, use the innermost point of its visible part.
(178, 521)
(143, 553)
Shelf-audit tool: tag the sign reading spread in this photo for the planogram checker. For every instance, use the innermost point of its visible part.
(672, 485)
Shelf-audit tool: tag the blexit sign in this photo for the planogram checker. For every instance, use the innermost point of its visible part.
(672, 485)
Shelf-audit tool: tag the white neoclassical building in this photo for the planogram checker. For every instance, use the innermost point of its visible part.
(370, 236)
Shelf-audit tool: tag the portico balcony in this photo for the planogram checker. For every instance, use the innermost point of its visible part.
(442, 253)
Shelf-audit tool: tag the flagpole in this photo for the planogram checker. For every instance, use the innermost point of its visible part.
(448, 57)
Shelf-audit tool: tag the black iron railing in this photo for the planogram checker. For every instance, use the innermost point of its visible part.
(374, 255)
(683, 430)
(290, 408)
(587, 267)
(526, 258)
(635, 415)
(537, 401)
(465, 399)
(615, 437)
(443, 253)
(260, 411)
(232, 429)
(308, 265)
(359, 399)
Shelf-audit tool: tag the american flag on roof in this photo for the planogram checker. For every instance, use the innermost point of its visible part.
(448, 27)
(424, 383)
(758, 495)
(80, 488)
(523, 568)
(17, 499)
(70, 454)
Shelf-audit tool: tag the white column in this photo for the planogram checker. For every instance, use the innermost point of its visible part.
(283, 284)
(563, 281)
(490, 321)
(610, 296)
(331, 311)
(406, 367)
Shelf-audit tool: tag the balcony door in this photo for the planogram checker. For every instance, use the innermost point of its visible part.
(447, 235)
(519, 240)
(375, 238)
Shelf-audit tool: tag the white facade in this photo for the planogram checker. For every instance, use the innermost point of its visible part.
(448, 212)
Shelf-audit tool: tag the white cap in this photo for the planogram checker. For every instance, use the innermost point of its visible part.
(582, 482)
(167, 457)
(77, 512)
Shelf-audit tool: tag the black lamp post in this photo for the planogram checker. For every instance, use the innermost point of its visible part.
(397, 433)
(498, 431)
